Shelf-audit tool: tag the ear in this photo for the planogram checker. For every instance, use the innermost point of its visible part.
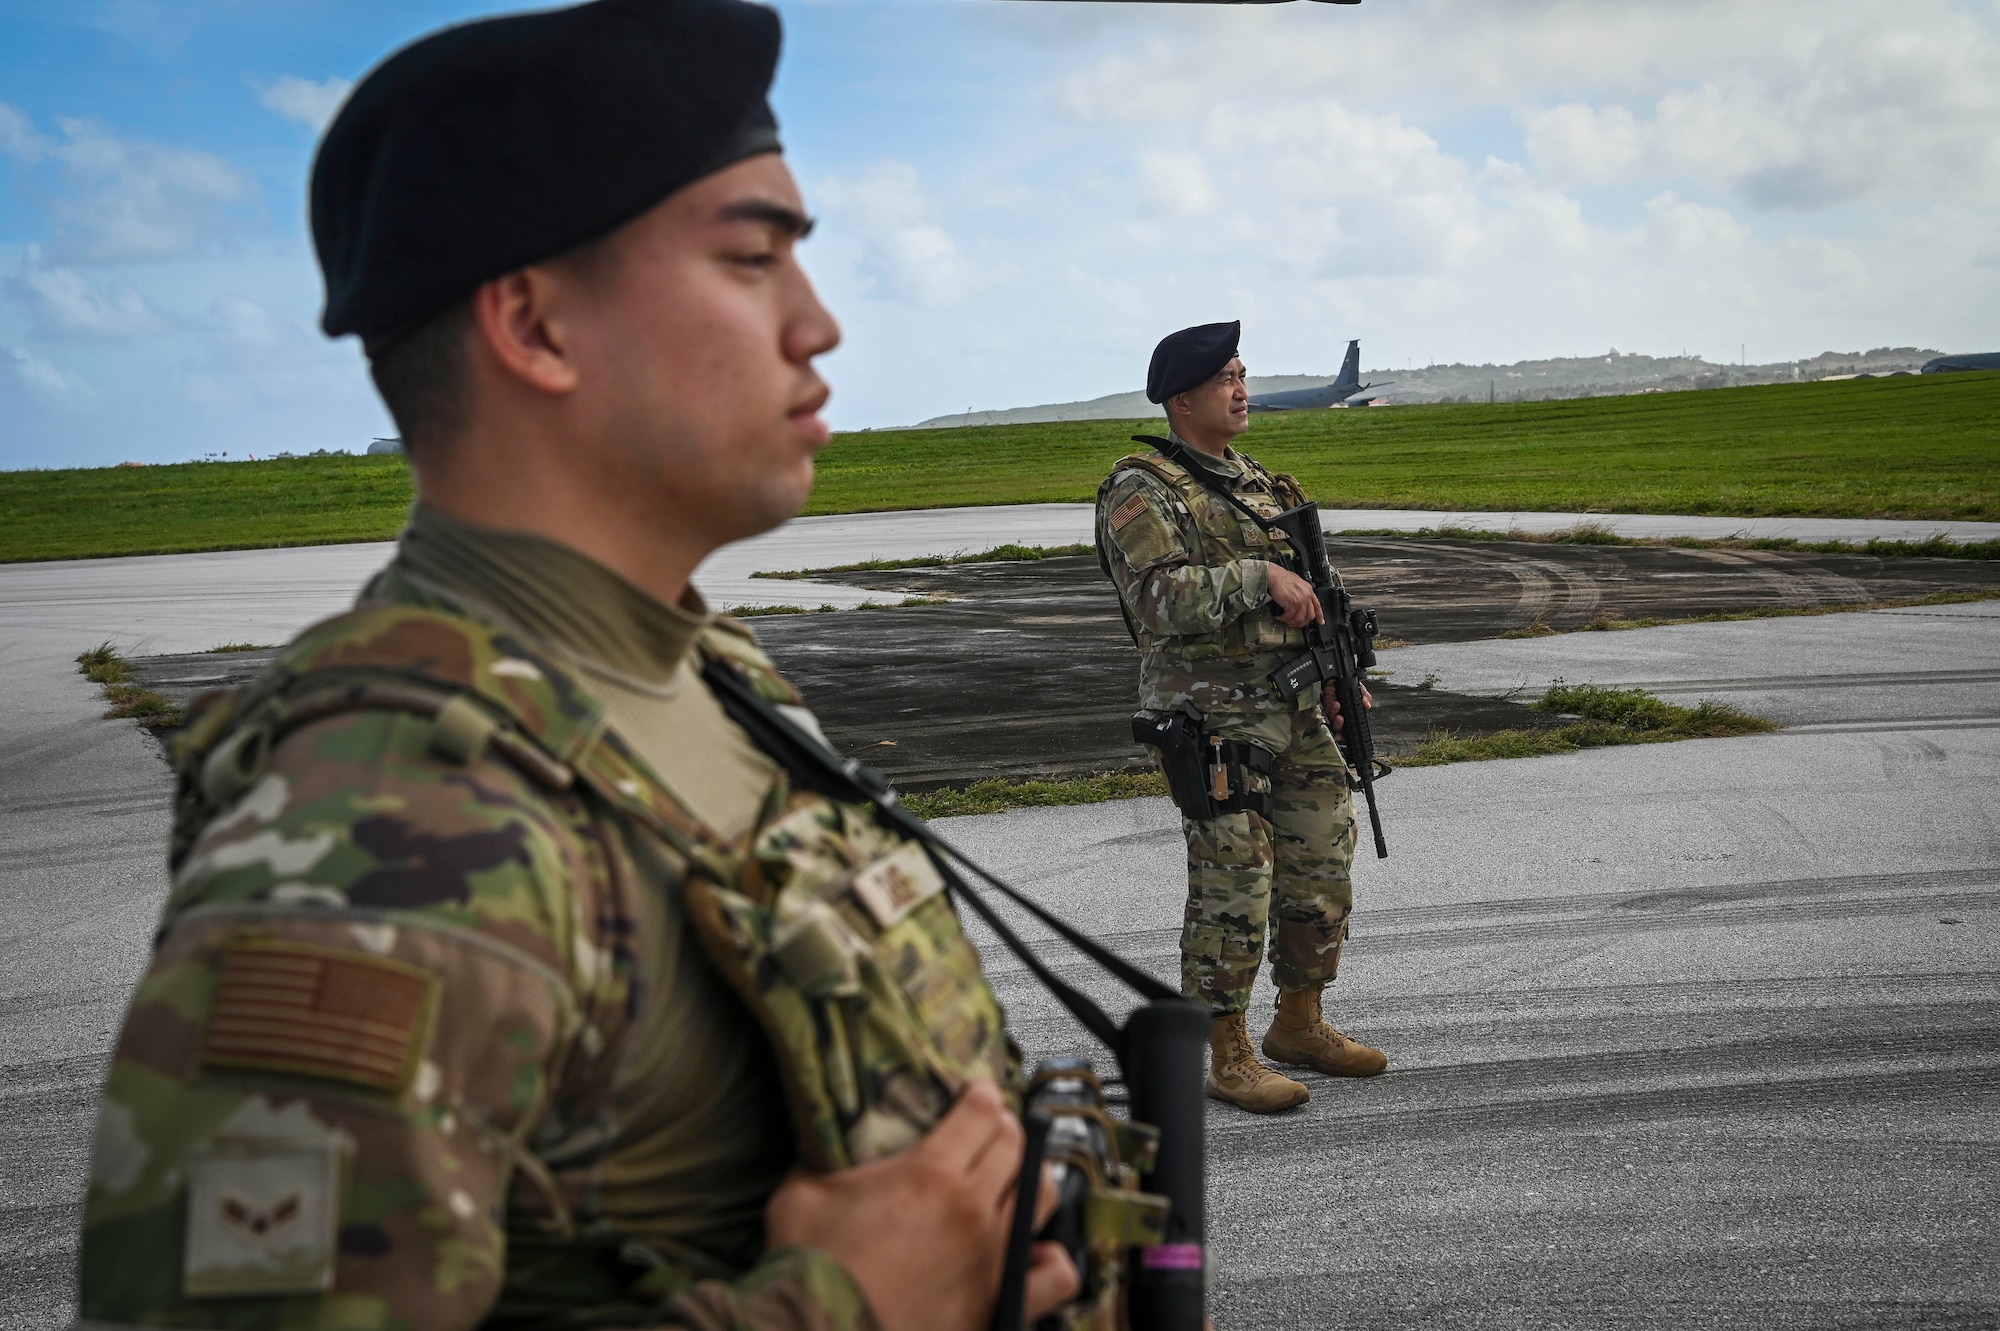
(1178, 405)
(519, 328)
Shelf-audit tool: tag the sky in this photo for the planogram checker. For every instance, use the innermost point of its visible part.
(1018, 199)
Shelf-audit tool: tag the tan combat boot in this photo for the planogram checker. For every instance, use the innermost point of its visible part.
(1300, 1036)
(1235, 1075)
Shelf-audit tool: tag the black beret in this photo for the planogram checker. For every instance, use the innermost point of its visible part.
(1190, 358)
(489, 146)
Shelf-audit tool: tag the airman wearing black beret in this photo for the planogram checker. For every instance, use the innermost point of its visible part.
(448, 1025)
(1214, 611)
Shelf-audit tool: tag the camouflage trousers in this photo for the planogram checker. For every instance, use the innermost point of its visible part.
(1243, 870)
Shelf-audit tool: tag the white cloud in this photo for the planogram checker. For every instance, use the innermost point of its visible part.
(311, 104)
(124, 198)
(40, 375)
(1177, 182)
(64, 303)
(1840, 111)
(1440, 177)
(1694, 230)
(17, 136)
(904, 255)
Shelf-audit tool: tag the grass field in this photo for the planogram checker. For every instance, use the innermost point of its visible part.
(1916, 448)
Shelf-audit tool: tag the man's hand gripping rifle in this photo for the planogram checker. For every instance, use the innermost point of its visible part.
(1338, 653)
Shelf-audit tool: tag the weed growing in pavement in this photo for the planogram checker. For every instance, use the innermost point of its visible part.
(1604, 717)
(1538, 627)
(753, 611)
(994, 795)
(908, 602)
(112, 673)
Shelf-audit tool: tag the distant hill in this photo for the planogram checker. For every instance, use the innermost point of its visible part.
(1523, 381)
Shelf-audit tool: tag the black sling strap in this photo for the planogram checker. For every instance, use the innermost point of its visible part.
(1183, 457)
(811, 764)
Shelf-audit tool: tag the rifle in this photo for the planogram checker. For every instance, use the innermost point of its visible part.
(1338, 650)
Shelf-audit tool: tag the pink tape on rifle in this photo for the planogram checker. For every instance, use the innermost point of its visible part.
(1171, 1257)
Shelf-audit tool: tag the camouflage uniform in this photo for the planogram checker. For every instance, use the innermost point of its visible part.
(1192, 581)
(389, 1066)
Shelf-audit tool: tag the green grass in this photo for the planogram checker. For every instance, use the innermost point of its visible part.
(112, 673)
(753, 611)
(1918, 448)
(995, 795)
(1009, 552)
(1605, 717)
(201, 506)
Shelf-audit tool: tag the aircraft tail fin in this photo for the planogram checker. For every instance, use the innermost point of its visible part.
(1350, 369)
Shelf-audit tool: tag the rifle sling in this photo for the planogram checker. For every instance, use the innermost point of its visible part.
(812, 765)
(1183, 457)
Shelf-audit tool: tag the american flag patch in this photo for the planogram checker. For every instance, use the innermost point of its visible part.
(1128, 510)
(319, 1012)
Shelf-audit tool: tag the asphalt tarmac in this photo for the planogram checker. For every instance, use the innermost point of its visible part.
(1026, 669)
(1686, 1035)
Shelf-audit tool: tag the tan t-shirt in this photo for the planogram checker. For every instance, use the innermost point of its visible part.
(698, 1134)
(635, 653)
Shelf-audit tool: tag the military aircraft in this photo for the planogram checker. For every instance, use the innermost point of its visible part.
(1334, 394)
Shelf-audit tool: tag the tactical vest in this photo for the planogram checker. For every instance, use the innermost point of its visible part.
(1214, 533)
(837, 933)
(840, 941)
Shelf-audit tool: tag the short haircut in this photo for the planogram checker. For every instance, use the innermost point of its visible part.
(422, 377)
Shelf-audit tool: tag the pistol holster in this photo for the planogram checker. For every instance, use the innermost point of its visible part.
(1207, 775)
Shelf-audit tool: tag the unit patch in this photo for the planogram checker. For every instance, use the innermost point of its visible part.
(1126, 511)
(320, 1012)
(897, 884)
(262, 1216)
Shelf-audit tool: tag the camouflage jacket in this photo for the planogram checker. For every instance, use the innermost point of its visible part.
(1192, 579)
(370, 1078)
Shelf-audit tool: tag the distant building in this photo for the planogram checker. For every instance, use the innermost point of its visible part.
(386, 446)
(1988, 360)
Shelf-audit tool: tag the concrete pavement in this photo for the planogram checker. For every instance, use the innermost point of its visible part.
(1886, 669)
(1692, 1035)
(1689, 1035)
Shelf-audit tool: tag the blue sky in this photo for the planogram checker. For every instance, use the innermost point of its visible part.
(1018, 199)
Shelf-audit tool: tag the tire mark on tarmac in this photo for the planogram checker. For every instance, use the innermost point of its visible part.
(1793, 993)
(1590, 915)
(153, 798)
(72, 857)
(1760, 683)
(1558, 1108)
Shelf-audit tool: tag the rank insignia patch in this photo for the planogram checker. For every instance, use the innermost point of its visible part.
(320, 1012)
(261, 1218)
